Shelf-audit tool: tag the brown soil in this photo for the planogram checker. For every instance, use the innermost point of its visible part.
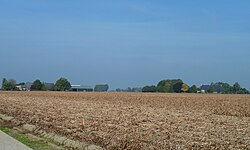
(137, 120)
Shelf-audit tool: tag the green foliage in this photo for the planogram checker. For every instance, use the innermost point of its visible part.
(211, 89)
(236, 87)
(193, 89)
(149, 89)
(243, 91)
(34, 143)
(226, 88)
(238, 90)
(184, 88)
(9, 85)
(101, 88)
(62, 84)
(37, 86)
(166, 86)
(221, 87)
(3, 82)
(43, 87)
(52, 88)
(177, 87)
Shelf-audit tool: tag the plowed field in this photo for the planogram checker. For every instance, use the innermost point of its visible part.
(137, 120)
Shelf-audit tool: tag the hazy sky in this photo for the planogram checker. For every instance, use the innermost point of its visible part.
(125, 43)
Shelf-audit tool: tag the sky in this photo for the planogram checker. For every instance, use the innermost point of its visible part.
(129, 43)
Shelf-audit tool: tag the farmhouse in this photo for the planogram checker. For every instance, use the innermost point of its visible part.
(28, 85)
(79, 88)
(21, 87)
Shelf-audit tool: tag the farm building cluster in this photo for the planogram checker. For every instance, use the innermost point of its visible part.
(48, 86)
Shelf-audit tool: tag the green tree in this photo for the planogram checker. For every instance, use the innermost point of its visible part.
(37, 86)
(243, 91)
(184, 88)
(43, 87)
(193, 89)
(149, 89)
(101, 88)
(166, 86)
(52, 88)
(211, 89)
(9, 85)
(226, 88)
(177, 87)
(236, 88)
(62, 84)
(3, 82)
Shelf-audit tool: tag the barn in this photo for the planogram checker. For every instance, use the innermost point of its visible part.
(80, 88)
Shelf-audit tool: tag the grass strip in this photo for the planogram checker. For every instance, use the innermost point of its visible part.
(25, 139)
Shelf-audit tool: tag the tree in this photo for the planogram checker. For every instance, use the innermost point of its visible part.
(217, 87)
(9, 85)
(137, 89)
(177, 87)
(193, 89)
(236, 88)
(184, 88)
(243, 91)
(118, 90)
(149, 89)
(166, 86)
(62, 84)
(52, 88)
(43, 87)
(129, 89)
(37, 86)
(211, 89)
(3, 82)
(101, 88)
(225, 88)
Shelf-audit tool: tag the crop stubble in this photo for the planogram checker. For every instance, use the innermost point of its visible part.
(137, 120)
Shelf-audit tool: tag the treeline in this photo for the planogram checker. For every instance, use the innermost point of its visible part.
(178, 86)
(170, 86)
(164, 86)
(226, 88)
(61, 84)
(129, 89)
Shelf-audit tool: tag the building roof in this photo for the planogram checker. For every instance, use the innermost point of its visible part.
(81, 87)
(205, 87)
